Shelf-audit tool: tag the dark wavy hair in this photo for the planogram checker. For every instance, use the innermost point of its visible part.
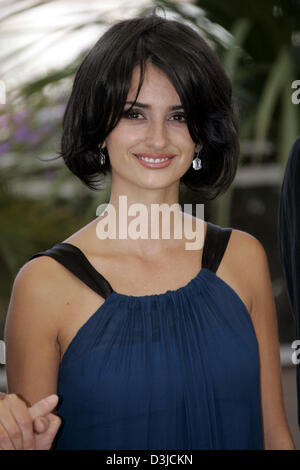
(101, 86)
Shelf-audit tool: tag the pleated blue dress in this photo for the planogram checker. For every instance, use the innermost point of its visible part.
(177, 370)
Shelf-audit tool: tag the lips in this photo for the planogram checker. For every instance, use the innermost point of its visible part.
(154, 162)
(154, 156)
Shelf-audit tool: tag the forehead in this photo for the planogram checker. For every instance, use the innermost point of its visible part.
(156, 86)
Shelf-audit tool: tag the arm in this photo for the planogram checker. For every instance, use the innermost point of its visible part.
(276, 431)
(32, 352)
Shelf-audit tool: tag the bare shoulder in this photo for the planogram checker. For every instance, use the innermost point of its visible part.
(248, 263)
(246, 246)
(39, 276)
(248, 255)
(38, 293)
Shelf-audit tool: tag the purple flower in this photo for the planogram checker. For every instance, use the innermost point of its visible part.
(20, 116)
(34, 138)
(4, 120)
(31, 136)
(23, 133)
(4, 148)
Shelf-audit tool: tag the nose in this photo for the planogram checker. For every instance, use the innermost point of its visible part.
(157, 134)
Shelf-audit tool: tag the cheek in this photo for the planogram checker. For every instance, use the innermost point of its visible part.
(121, 139)
(182, 137)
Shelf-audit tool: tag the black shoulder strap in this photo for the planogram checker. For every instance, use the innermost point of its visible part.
(216, 241)
(72, 258)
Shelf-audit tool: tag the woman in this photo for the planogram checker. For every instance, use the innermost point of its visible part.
(148, 344)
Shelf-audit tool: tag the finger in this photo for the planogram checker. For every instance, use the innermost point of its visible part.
(19, 411)
(8, 429)
(43, 407)
(5, 441)
(40, 424)
(44, 441)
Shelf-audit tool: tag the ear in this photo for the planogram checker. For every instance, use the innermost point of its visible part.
(198, 148)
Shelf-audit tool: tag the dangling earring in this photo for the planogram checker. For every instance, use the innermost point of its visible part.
(197, 165)
(101, 155)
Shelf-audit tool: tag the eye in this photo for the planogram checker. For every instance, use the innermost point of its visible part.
(131, 114)
(180, 117)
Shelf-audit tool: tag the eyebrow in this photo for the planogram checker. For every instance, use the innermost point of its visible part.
(143, 105)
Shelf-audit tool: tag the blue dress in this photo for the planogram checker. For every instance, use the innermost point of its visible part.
(177, 370)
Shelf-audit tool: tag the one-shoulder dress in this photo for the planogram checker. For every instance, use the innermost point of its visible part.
(177, 370)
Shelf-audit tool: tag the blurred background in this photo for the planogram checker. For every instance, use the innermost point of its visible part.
(42, 44)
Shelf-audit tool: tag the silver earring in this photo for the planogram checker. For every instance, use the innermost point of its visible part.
(197, 165)
(102, 156)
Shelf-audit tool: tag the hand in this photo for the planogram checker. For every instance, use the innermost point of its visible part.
(23, 427)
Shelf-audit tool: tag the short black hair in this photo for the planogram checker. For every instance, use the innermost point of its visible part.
(102, 83)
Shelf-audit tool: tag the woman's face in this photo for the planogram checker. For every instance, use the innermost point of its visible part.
(154, 128)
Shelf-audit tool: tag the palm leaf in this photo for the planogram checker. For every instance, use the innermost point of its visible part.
(273, 87)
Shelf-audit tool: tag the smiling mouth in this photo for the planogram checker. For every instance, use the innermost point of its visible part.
(155, 159)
